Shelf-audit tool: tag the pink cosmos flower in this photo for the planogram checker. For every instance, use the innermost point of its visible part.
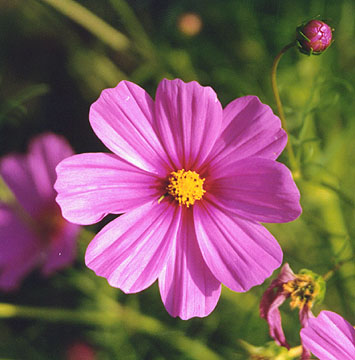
(32, 230)
(329, 337)
(193, 181)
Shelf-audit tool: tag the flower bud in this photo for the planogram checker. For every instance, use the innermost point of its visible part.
(314, 37)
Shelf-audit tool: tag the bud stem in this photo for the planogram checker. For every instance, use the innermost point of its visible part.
(337, 266)
(291, 154)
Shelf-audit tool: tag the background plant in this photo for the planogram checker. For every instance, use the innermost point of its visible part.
(56, 57)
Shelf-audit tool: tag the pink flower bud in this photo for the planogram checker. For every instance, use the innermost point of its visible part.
(314, 37)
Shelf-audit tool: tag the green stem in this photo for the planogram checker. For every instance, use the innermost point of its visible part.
(134, 28)
(291, 154)
(331, 272)
(55, 315)
(7, 197)
(115, 315)
(91, 22)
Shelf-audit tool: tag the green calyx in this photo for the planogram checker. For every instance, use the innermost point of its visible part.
(319, 284)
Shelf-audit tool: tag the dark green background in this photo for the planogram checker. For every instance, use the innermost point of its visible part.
(52, 69)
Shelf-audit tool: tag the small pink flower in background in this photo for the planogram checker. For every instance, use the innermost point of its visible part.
(80, 351)
(329, 337)
(190, 24)
(314, 37)
(304, 289)
(194, 182)
(32, 231)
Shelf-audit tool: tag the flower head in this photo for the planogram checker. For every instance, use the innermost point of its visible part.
(304, 290)
(329, 337)
(32, 230)
(314, 37)
(193, 181)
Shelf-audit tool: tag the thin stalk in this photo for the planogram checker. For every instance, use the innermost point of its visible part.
(331, 272)
(91, 22)
(56, 315)
(7, 197)
(134, 28)
(117, 315)
(291, 154)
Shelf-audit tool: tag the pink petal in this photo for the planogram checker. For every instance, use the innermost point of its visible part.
(131, 251)
(286, 274)
(304, 315)
(256, 188)
(329, 337)
(275, 289)
(19, 249)
(249, 129)
(62, 249)
(239, 253)
(187, 286)
(188, 121)
(31, 177)
(274, 321)
(92, 185)
(272, 299)
(17, 175)
(45, 153)
(306, 354)
(122, 118)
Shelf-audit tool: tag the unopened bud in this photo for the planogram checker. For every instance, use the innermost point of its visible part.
(314, 37)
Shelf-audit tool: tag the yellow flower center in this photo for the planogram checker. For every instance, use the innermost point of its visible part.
(186, 187)
(303, 290)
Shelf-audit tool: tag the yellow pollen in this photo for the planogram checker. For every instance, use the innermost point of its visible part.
(303, 290)
(186, 187)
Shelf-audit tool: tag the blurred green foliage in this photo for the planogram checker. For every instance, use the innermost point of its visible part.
(54, 62)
